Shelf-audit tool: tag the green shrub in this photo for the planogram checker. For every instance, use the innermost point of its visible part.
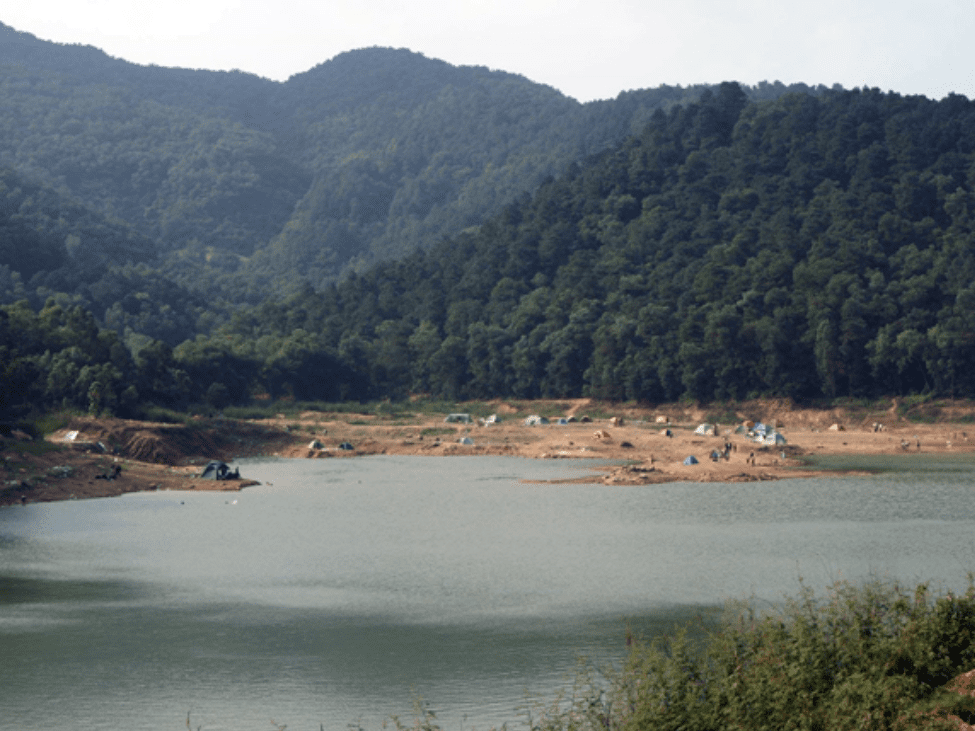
(250, 412)
(870, 657)
(163, 415)
(49, 423)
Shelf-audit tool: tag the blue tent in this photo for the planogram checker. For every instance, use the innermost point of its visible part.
(691, 459)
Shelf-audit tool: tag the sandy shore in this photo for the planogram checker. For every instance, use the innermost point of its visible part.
(653, 445)
(636, 440)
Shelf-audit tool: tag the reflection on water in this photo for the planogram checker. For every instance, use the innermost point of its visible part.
(351, 586)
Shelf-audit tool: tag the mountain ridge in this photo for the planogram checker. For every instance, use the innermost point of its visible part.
(257, 185)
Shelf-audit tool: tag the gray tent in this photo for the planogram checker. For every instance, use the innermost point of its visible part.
(691, 459)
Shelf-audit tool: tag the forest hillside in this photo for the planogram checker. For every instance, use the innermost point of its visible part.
(250, 187)
(386, 224)
(809, 247)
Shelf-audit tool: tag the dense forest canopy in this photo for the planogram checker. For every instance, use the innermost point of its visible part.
(256, 186)
(806, 247)
(387, 224)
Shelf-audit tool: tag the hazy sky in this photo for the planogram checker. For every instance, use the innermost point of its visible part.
(588, 50)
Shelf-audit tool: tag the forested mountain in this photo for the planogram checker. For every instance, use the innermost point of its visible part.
(809, 247)
(51, 245)
(250, 187)
(387, 224)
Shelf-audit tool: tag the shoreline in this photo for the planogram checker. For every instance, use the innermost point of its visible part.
(169, 457)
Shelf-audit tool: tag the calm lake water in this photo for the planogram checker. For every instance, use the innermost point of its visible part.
(347, 588)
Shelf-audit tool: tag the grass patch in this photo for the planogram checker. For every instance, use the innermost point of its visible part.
(51, 422)
(860, 404)
(925, 415)
(921, 409)
(162, 415)
(438, 432)
(722, 414)
(250, 413)
(552, 410)
(430, 407)
(600, 412)
(36, 448)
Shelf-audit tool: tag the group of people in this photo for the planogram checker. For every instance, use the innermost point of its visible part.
(725, 454)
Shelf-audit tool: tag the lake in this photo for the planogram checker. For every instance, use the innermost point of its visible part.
(341, 590)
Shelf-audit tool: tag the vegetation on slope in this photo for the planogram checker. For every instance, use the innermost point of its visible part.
(876, 656)
(805, 247)
(252, 186)
(809, 247)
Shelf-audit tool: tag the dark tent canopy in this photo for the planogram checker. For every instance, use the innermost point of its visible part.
(216, 470)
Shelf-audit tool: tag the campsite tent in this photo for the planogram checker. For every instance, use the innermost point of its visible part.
(690, 459)
(535, 420)
(216, 470)
(458, 419)
(705, 429)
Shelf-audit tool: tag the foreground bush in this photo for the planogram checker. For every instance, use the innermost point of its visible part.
(869, 657)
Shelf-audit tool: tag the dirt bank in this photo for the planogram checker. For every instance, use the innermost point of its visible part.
(106, 457)
(163, 456)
